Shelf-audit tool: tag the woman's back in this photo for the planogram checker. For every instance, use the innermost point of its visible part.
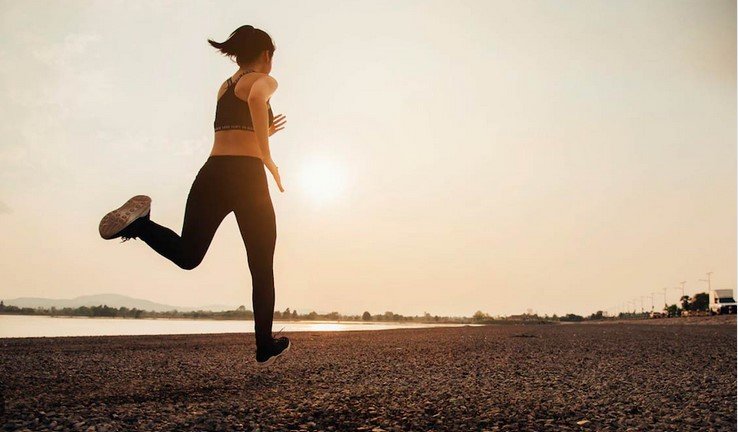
(234, 132)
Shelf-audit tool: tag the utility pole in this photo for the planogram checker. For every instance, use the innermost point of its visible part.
(680, 298)
(666, 304)
(682, 284)
(709, 284)
(652, 302)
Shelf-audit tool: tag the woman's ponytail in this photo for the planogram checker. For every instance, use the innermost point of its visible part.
(245, 44)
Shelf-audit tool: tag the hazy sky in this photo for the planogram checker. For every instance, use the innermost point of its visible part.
(562, 156)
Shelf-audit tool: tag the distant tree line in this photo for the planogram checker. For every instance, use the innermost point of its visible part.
(241, 313)
(526, 318)
(700, 302)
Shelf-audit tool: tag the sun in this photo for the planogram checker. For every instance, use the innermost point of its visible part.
(322, 179)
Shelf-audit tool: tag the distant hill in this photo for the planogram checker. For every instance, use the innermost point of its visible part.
(112, 300)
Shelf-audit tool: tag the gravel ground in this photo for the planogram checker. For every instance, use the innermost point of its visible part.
(698, 320)
(509, 378)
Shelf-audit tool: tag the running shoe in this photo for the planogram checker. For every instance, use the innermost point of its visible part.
(280, 346)
(114, 224)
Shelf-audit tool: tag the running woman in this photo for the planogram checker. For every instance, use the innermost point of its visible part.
(233, 179)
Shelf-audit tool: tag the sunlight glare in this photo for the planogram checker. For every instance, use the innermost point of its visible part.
(322, 179)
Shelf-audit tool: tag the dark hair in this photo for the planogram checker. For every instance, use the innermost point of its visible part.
(245, 43)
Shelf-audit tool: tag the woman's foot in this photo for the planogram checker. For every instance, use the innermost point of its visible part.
(117, 223)
(267, 356)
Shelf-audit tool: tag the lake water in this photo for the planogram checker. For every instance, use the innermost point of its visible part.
(12, 326)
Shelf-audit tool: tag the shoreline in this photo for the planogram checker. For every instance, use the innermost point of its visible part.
(52, 327)
(21, 327)
(235, 319)
(542, 321)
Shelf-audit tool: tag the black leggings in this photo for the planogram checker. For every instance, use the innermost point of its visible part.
(227, 184)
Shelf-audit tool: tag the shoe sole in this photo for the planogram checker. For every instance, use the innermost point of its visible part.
(115, 221)
(274, 358)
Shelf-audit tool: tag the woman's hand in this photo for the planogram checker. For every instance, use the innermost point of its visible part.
(279, 121)
(272, 167)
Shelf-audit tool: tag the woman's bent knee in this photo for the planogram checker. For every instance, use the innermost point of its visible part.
(189, 263)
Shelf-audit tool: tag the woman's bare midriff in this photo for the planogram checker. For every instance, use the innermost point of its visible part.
(236, 143)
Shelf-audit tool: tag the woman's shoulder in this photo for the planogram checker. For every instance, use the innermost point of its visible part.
(257, 76)
(243, 87)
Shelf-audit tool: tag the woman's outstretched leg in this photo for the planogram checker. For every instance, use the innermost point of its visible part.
(207, 206)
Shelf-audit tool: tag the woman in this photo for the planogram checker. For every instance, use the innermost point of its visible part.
(232, 179)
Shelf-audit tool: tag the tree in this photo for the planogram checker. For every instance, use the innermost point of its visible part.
(242, 308)
(596, 316)
(366, 316)
(333, 316)
(287, 314)
(672, 310)
(700, 302)
(480, 316)
(294, 315)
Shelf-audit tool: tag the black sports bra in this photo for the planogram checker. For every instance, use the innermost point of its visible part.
(231, 112)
